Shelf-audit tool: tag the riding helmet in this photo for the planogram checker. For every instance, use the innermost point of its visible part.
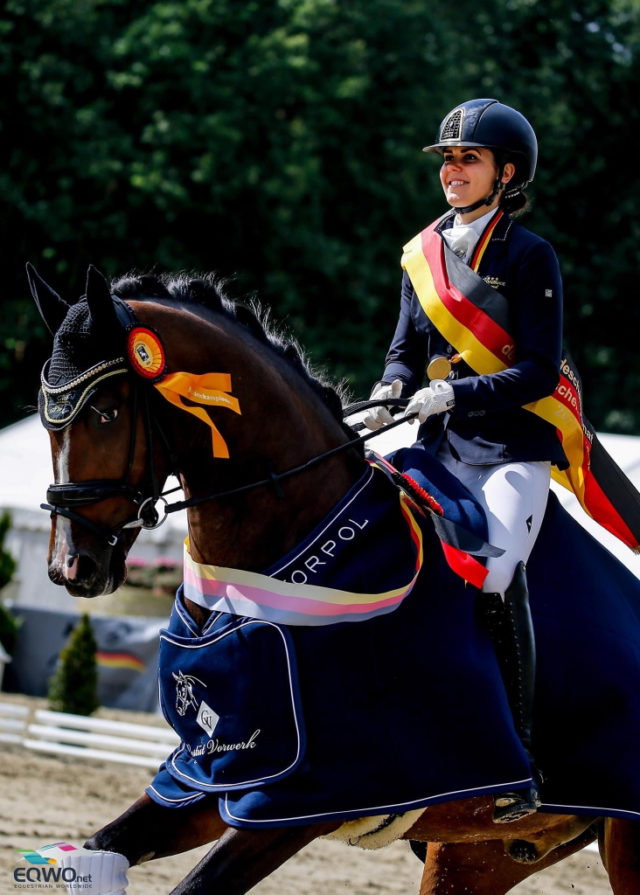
(491, 124)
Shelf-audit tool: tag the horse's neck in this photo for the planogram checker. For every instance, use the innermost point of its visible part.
(253, 530)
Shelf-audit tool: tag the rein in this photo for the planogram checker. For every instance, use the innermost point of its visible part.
(275, 478)
(63, 498)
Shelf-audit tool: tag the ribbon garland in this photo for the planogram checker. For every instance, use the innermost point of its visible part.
(256, 595)
(208, 389)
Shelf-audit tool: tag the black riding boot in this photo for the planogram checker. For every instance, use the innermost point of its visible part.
(511, 629)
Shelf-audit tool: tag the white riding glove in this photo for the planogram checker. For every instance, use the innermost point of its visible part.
(107, 871)
(380, 416)
(438, 397)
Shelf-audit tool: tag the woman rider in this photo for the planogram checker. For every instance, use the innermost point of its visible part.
(474, 421)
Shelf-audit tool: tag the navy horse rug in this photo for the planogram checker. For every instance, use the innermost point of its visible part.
(357, 677)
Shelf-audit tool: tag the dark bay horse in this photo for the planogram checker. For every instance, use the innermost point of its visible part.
(115, 438)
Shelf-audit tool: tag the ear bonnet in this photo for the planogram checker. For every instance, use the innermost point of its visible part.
(95, 327)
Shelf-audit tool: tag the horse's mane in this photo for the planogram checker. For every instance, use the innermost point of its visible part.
(208, 291)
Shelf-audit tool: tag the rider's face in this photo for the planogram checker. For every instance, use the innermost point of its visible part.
(468, 175)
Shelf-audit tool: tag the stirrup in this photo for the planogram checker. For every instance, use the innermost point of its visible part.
(512, 806)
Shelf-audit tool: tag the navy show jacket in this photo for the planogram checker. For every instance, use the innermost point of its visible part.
(488, 423)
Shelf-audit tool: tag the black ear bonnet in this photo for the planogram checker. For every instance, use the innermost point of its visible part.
(71, 377)
(89, 346)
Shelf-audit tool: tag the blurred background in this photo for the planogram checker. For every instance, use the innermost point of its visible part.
(278, 142)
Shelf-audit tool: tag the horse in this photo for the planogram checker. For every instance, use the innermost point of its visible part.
(267, 459)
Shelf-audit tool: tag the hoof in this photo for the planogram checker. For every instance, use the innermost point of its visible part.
(522, 851)
(512, 806)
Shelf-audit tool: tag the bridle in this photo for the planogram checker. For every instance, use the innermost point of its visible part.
(65, 498)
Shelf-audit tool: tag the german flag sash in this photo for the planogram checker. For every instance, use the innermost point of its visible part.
(472, 316)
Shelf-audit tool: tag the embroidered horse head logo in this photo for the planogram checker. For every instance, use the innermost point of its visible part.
(185, 697)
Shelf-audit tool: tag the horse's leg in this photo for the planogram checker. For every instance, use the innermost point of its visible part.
(238, 860)
(620, 851)
(146, 830)
(481, 868)
(242, 858)
(485, 868)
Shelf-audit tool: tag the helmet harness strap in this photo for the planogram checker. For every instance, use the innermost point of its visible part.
(498, 187)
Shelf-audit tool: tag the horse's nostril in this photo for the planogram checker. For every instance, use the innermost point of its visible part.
(87, 568)
(70, 566)
(78, 569)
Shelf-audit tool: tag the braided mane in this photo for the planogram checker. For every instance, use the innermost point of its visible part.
(207, 291)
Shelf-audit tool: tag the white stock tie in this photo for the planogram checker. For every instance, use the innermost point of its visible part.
(461, 240)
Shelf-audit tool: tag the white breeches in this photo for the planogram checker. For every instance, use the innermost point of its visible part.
(514, 497)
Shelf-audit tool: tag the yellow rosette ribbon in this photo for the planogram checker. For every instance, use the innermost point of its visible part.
(205, 390)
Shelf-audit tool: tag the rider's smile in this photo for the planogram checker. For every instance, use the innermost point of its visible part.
(468, 174)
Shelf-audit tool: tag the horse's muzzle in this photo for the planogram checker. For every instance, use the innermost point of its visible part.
(90, 579)
(87, 569)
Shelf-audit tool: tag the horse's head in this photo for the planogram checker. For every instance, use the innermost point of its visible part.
(124, 397)
(96, 412)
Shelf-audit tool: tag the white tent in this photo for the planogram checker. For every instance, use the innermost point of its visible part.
(26, 471)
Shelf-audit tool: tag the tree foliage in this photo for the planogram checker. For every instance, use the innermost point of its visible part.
(9, 624)
(7, 562)
(74, 685)
(279, 144)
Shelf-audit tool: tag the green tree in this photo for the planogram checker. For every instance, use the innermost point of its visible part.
(7, 562)
(279, 144)
(73, 687)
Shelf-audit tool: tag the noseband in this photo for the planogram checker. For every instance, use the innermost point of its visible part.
(63, 499)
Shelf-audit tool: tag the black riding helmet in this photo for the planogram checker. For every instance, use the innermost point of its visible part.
(490, 124)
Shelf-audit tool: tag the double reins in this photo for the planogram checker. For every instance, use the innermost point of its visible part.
(63, 499)
(274, 478)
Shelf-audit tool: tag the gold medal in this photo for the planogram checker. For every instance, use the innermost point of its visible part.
(439, 367)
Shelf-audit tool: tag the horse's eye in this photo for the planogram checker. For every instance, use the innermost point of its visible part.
(110, 415)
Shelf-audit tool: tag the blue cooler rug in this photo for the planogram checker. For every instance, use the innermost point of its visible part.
(402, 705)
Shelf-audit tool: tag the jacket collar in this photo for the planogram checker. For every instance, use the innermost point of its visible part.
(500, 234)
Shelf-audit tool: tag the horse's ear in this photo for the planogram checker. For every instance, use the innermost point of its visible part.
(53, 309)
(100, 302)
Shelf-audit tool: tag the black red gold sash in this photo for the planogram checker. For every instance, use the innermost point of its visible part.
(472, 317)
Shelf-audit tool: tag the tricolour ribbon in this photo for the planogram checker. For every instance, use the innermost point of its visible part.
(255, 595)
(475, 324)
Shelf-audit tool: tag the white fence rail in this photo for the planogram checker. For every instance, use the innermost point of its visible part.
(13, 722)
(59, 733)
